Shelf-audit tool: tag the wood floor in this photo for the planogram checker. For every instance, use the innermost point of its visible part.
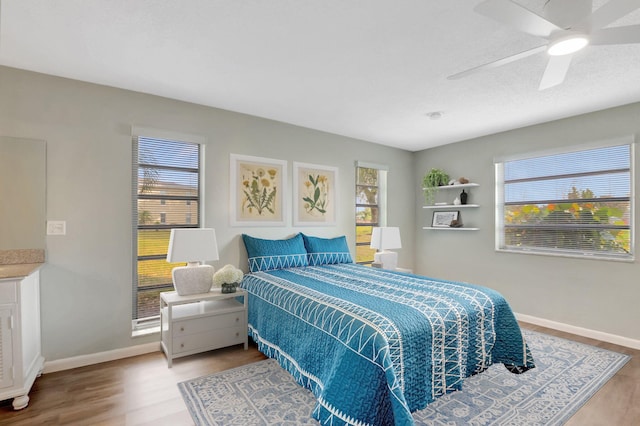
(141, 390)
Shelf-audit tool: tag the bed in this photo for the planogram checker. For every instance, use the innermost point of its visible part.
(372, 345)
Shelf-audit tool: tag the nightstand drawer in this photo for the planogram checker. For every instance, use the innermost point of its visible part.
(212, 339)
(208, 323)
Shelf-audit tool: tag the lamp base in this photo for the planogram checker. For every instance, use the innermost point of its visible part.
(388, 259)
(192, 279)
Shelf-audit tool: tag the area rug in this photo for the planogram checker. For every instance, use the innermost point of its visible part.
(567, 374)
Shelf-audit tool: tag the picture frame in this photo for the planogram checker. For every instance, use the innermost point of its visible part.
(443, 218)
(258, 191)
(315, 192)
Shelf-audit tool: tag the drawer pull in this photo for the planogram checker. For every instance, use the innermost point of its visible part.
(237, 319)
(237, 334)
(182, 345)
(181, 328)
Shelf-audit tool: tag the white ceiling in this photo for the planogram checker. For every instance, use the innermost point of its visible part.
(368, 69)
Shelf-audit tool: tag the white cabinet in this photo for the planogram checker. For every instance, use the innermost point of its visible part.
(450, 206)
(20, 351)
(202, 322)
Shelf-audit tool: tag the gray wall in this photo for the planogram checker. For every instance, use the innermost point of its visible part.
(593, 294)
(86, 284)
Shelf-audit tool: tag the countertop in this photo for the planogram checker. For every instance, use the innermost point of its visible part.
(17, 264)
(18, 270)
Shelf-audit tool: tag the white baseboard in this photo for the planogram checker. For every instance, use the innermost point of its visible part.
(84, 360)
(585, 332)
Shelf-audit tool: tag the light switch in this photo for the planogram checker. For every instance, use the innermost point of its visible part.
(56, 227)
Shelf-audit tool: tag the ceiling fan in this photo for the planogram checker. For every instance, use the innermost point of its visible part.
(569, 27)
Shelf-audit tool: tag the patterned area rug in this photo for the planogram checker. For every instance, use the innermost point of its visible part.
(567, 374)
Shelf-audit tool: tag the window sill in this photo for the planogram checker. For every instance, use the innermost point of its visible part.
(625, 259)
(146, 331)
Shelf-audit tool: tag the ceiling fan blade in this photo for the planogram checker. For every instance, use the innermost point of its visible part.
(555, 72)
(616, 35)
(565, 13)
(611, 11)
(498, 63)
(517, 17)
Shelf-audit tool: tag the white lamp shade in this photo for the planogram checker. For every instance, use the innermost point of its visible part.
(192, 245)
(385, 237)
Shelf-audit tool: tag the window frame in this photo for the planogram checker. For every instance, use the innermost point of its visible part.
(500, 239)
(381, 203)
(151, 324)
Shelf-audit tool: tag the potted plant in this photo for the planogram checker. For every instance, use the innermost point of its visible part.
(228, 278)
(430, 183)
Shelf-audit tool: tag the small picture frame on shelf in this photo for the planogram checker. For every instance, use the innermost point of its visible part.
(443, 219)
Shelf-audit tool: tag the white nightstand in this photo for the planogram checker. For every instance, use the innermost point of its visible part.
(202, 322)
(379, 265)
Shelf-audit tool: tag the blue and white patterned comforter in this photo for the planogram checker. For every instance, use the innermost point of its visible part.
(375, 345)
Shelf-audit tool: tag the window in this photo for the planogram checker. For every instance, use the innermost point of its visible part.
(370, 207)
(166, 194)
(576, 203)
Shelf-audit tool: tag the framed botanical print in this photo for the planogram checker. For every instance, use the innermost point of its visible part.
(315, 194)
(257, 191)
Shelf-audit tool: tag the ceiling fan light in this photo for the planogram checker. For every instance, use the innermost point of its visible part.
(567, 45)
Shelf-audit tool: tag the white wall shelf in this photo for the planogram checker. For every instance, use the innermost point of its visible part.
(451, 206)
(460, 185)
(442, 228)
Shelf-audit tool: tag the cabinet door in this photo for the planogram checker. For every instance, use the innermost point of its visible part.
(6, 347)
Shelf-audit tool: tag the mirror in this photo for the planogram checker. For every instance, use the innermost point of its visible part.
(22, 193)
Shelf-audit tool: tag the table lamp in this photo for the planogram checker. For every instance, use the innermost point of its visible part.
(384, 238)
(192, 245)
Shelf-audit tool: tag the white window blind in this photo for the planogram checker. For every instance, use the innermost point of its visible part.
(166, 194)
(576, 203)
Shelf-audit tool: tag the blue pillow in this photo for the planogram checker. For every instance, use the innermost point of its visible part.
(266, 255)
(323, 251)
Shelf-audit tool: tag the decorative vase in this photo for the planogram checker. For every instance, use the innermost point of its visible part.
(229, 287)
(456, 202)
(463, 197)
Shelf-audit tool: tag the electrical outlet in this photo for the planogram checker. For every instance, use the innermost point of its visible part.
(56, 227)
